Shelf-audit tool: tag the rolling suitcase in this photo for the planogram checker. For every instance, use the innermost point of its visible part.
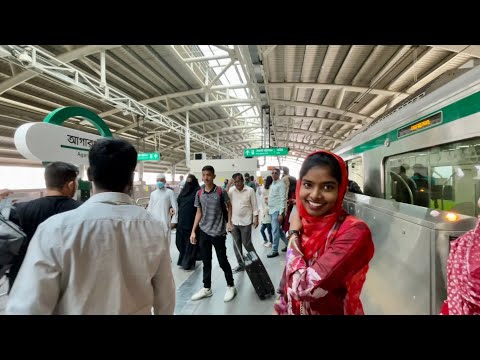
(258, 274)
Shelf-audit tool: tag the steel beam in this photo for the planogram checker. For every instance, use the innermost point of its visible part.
(46, 64)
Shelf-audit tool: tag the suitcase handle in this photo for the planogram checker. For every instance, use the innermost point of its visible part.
(238, 250)
(236, 247)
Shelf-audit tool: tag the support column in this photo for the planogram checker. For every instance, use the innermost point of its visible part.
(174, 169)
(82, 172)
(187, 141)
(140, 171)
(103, 71)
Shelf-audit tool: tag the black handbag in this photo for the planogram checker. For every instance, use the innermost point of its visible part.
(12, 237)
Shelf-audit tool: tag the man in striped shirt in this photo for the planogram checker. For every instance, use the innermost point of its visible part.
(210, 217)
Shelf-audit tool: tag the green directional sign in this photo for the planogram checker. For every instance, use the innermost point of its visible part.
(265, 152)
(153, 156)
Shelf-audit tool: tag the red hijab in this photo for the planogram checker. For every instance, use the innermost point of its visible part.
(316, 228)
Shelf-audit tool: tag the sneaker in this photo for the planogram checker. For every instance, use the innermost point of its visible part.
(202, 293)
(284, 249)
(238, 269)
(272, 254)
(269, 245)
(230, 294)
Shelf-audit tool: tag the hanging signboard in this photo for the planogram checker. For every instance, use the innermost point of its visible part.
(152, 156)
(265, 152)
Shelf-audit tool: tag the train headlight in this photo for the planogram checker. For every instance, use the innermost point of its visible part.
(451, 216)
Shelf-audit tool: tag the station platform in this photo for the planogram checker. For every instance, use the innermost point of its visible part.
(245, 303)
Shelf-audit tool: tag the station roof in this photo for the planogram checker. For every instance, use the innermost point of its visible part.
(304, 97)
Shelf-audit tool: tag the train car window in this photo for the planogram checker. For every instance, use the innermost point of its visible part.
(355, 174)
(445, 177)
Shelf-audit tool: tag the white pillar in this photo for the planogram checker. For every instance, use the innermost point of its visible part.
(174, 168)
(140, 170)
(103, 71)
(82, 172)
(187, 142)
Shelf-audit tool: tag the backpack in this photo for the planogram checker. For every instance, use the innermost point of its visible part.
(222, 203)
(11, 238)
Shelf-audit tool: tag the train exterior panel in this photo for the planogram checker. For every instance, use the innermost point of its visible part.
(459, 103)
(415, 164)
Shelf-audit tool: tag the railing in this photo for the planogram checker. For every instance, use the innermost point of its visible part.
(406, 185)
(143, 201)
(21, 195)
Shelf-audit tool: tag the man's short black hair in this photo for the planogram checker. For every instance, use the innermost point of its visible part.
(59, 173)
(112, 164)
(209, 168)
(235, 176)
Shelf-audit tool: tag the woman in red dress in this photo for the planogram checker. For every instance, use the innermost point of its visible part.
(329, 250)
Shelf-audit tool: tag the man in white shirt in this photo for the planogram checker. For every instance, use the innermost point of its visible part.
(163, 204)
(276, 209)
(244, 209)
(108, 256)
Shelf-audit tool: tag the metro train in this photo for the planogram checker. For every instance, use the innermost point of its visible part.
(419, 167)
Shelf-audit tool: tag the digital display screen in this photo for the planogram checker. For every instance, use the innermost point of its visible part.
(421, 124)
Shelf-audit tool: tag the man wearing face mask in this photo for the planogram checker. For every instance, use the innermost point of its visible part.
(61, 182)
(163, 205)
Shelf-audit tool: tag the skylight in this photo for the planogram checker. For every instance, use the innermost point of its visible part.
(234, 75)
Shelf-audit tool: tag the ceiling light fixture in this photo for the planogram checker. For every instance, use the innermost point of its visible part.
(22, 56)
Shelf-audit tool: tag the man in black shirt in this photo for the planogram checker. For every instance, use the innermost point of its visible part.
(61, 182)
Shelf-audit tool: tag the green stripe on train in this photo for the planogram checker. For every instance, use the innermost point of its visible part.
(457, 110)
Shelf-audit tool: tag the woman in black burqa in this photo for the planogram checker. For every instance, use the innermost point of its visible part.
(189, 253)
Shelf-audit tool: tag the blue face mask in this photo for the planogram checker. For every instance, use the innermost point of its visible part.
(160, 184)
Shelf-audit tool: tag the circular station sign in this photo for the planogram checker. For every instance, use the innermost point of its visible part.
(49, 141)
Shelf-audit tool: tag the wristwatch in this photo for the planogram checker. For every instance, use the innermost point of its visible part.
(292, 232)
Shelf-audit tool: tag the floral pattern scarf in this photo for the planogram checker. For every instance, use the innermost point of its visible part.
(463, 275)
